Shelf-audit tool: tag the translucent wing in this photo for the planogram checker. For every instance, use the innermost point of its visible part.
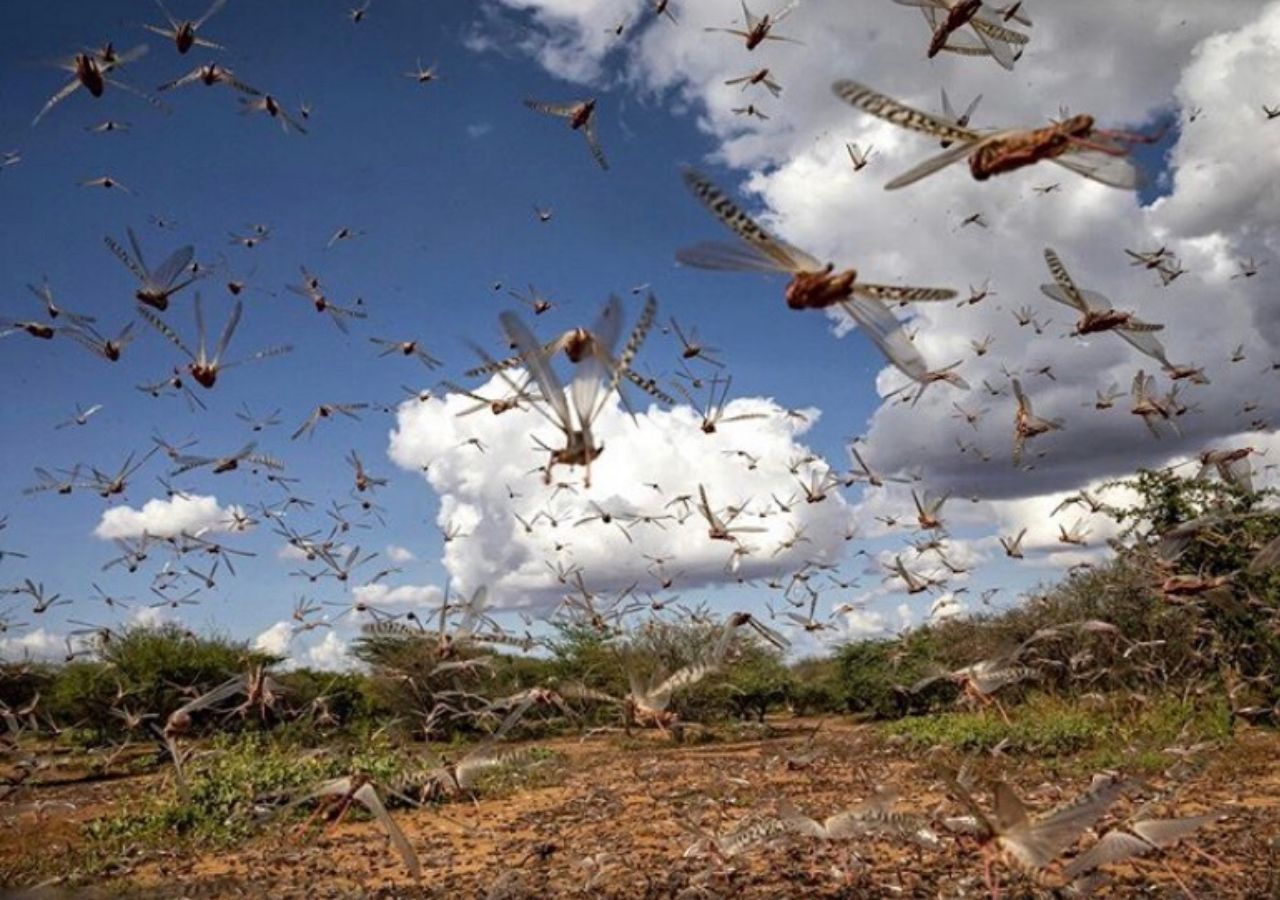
(898, 294)
(946, 107)
(1056, 292)
(589, 131)
(876, 104)
(181, 81)
(213, 8)
(1113, 847)
(1040, 843)
(63, 93)
(564, 110)
(370, 800)
(728, 258)
(1163, 832)
(1001, 50)
(548, 382)
(885, 331)
(1113, 171)
(593, 371)
(201, 341)
(1145, 342)
(786, 257)
(228, 331)
(171, 268)
(952, 154)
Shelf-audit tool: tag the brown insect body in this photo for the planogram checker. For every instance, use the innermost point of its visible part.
(1102, 320)
(90, 73)
(582, 115)
(205, 375)
(155, 299)
(818, 290)
(959, 16)
(756, 36)
(1023, 150)
(578, 345)
(184, 38)
(38, 330)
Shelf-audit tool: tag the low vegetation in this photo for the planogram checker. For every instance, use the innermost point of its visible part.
(1181, 641)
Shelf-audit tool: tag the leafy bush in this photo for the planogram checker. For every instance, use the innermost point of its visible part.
(228, 780)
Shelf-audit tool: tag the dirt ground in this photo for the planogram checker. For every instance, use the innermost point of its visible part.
(603, 820)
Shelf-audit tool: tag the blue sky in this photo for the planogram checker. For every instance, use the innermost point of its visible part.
(446, 215)
(443, 178)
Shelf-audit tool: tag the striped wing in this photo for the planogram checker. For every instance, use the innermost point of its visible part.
(1067, 291)
(563, 110)
(899, 294)
(991, 27)
(876, 104)
(763, 250)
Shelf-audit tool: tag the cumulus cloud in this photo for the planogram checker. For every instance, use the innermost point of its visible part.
(329, 655)
(400, 555)
(163, 518)
(651, 467)
(38, 644)
(275, 640)
(383, 596)
(1220, 204)
(1225, 204)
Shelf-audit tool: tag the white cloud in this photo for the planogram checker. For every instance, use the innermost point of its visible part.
(1223, 205)
(860, 623)
(663, 447)
(37, 644)
(162, 518)
(948, 606)
(383, 596)
(329, 655)
(400, 555)
(151, 616)
(275, 640)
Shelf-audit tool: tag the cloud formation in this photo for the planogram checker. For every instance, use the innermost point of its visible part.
(163, 518)
(1208, 68)
(651, 469)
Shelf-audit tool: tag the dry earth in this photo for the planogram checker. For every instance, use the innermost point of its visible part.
(602, 820)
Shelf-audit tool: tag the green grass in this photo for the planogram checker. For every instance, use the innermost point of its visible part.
(1093, 736)
(237, 780)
